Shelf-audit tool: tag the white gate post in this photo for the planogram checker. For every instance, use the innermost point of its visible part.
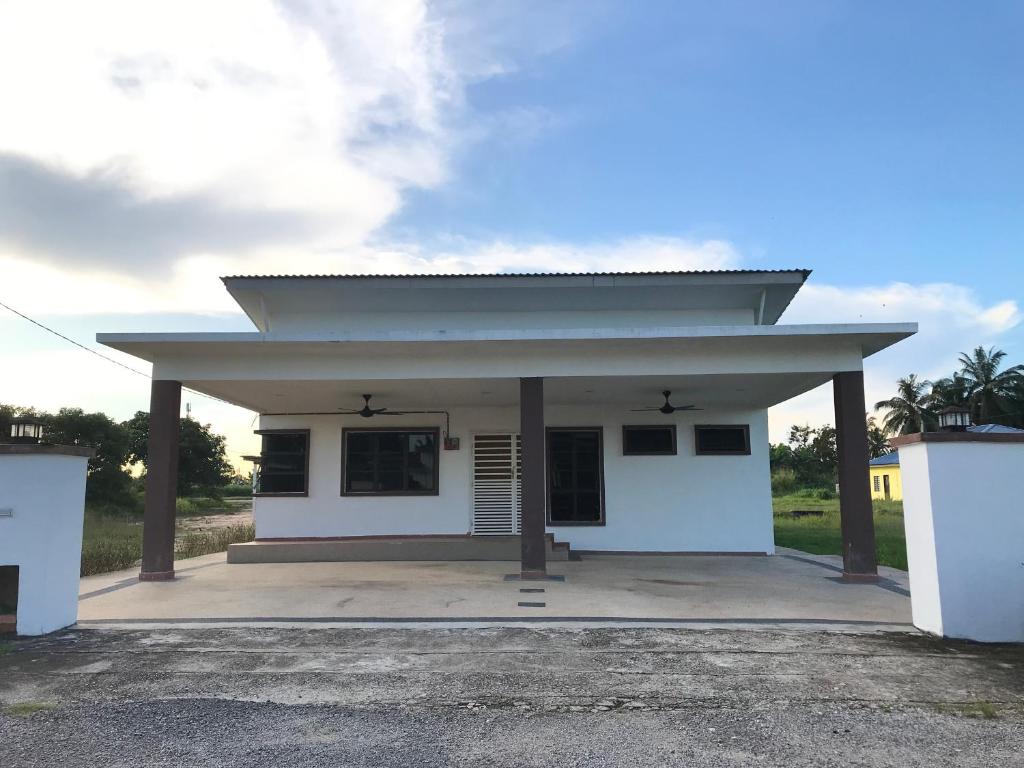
(42, 503)
(963, 509)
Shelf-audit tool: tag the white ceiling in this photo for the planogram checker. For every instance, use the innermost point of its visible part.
(760, 391)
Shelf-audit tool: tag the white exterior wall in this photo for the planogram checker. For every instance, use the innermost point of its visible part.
(652, 503)
(46, 493)
(963, 508)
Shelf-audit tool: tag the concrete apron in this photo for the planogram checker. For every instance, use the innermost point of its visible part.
(791, 590)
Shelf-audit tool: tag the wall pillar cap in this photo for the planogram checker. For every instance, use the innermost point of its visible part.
(27, 449)
(957, 437)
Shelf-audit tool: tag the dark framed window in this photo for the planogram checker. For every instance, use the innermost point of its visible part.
(575, 476)
(722, 439)
(649, 440)
(389, 462)
(284, 463)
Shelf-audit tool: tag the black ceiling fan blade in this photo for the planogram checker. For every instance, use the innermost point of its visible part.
(688, 408)
(640, 410)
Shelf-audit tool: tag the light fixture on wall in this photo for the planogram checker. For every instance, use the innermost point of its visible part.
(26, 429)
(954, 418)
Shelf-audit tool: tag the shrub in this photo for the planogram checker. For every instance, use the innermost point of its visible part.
(129, 505)
(783, 482)
(109, 555)
(207, 542)
(196, 505)
(236, 490)
(824, 494)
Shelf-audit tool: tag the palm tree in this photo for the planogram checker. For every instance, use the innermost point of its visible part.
(989, 389)
(878, 443)
(951, 390)
(909, 411)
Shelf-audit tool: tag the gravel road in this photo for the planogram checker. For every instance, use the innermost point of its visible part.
(507, 697)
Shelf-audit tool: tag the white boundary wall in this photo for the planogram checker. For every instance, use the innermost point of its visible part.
(652, 503)
(963, 508)
(45, 493)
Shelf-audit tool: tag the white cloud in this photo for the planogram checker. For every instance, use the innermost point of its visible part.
(193, 285)
(951, 319)
(326, 111)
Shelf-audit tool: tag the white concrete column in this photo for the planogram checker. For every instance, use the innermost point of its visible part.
(963, 508)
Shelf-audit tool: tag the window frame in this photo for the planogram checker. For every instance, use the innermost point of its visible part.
(746, 439)
(346, 431)
(305, 470)
(673, 451)
(876, 483)
(548, 487)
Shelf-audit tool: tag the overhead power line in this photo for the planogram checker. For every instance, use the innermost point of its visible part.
(98, 354)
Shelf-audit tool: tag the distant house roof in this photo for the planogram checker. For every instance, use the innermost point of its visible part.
(994, 429)
(890, 459)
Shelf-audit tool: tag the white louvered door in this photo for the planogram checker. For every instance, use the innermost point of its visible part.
(497, 507)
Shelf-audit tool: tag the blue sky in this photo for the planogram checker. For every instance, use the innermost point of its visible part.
(143, 154)
(865, 140)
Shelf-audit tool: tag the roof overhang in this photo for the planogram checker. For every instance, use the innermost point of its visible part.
(254, 370)
(765, 292)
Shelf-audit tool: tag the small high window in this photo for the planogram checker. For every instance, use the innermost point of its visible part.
(649, 440)
(722, 439)
(389, 462)
(284, 463)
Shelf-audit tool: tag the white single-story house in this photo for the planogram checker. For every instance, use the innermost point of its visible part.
(611, 412)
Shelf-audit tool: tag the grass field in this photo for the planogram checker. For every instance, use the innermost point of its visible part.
(820, 535)
(113, 541)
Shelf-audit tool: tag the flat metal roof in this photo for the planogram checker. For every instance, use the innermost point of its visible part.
(805, 273)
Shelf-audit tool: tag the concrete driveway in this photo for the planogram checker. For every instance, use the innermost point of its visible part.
(790, 589)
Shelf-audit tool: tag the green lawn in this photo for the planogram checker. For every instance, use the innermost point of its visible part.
(820, 535)
(112, 541)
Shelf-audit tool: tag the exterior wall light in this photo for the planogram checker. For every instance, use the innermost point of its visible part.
(26, 429)
(955, 418)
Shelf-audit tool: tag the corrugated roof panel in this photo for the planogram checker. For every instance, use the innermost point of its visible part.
(885, 461)
(804, 272)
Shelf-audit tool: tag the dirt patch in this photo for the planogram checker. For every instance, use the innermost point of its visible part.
(218, 520)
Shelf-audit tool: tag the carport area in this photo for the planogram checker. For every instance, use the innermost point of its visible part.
(788, 590)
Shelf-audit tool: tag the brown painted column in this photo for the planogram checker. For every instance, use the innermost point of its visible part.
(534, 489)
(856, 518)
(161, 481)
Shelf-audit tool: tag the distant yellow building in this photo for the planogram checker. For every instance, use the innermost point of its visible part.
(885, 477)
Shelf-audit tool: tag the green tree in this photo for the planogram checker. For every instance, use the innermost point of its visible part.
(107, 481)
(812, 456)
(202, 462)
(878, 443)
(9, 412)
(947, 391)
(823, 447)
(910, 410)
(991, 391)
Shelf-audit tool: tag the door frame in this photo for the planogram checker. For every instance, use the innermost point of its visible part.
(547, 477)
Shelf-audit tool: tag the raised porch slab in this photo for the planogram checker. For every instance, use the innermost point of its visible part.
(384, 548)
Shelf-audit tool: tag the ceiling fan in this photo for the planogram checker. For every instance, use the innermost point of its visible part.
(667, 407)
(367, 412)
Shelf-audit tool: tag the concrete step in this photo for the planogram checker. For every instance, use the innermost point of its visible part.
(370, 548)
